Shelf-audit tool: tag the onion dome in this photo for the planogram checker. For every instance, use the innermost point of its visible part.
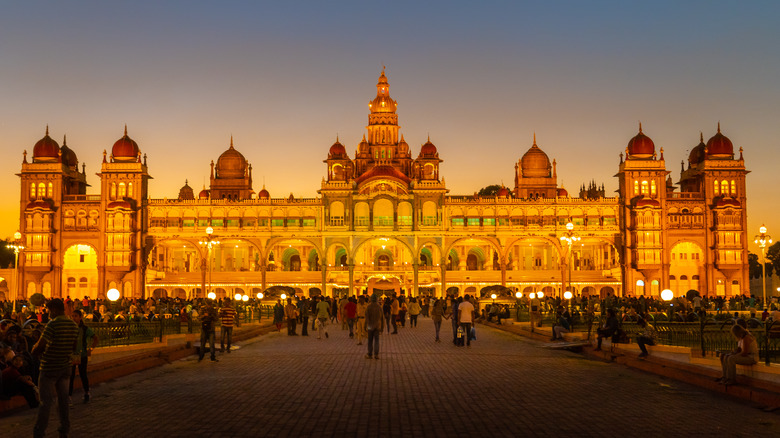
(383, 171)
(337, 150)
(231, 164)
(503, 192)
(46, 149)
(186, 193)
(382, 103)
(403, 147)
(204, 194)
(720, 146)
(641, 146)
(363, 147)
(727, 202)
(428, 150)
(40, 204)
(125, 149)
(67, 155)
(697, 153)
(119, 205)
(263, 194)
(562, 193)
(535, 163)
(647, 202)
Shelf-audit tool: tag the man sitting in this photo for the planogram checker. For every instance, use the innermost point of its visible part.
(562, 326)
(609, 328)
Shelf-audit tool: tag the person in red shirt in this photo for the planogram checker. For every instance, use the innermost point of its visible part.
(15, 383)
(350, 309)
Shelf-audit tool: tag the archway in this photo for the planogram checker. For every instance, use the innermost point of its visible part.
(79, 272)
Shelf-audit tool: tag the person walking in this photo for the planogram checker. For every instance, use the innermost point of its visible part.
(437, 314)
(278, 314)
(227, 315)
(394, 309)
(208, 330)
(374, 326)
(304, 309)
(85, 343)
(350, 313)
(387, 309)
(55, 346)
(414, 312)
(291, 314)
(466, 318)
(323, 315)
(360, 323)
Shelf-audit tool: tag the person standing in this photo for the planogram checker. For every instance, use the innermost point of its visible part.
(374, 326)
(304, 309)
(227, 314)
(414, 312)
(85, 343)
(208, 321)
(360, 312)
(291, 314)
(323, 314)
(278, 314)
(350, 313)
(437, 314)
(466, 318)
(56, 345)
(394, 309)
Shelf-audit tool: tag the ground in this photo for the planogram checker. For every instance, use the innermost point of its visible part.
(503, 385)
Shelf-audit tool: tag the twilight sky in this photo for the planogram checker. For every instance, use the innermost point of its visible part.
(284, 78)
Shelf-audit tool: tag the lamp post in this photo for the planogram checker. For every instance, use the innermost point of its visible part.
(569, 237)
(667, 296)
(113, 295)
(518, 296)
(762, 240)
(209, 243)
(567, 296)
(16, 247)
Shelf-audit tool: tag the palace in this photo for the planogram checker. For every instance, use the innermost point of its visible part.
(383, 220)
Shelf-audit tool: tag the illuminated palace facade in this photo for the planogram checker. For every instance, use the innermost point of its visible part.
(384, 220)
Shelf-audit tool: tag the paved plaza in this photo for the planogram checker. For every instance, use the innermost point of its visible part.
(504, 385)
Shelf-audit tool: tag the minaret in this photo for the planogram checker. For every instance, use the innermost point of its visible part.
(383, 122)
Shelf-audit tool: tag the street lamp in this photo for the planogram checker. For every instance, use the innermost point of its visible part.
(212, 295)
(16, 247)
(209, 243)
(762, 240)
(113, 295)
(259, 295)
(569, 237)
(667, 296)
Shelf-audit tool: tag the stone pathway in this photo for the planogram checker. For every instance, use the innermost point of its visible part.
(503, 386)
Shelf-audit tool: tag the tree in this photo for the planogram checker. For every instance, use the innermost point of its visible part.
(755, 270)
(491, 190)
(773, 256)
(6, 255)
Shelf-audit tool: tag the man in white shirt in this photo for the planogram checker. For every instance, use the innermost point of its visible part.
(466, 318)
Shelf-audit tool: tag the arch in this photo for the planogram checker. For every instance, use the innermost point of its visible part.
(127, 289)
(313, 260)
(291, 260)
(475, 259)
(383, 212)
(430, 213)
(362, 213)
(404, 213)
(80, 261)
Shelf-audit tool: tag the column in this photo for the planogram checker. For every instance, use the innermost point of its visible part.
(324, 278)
(415, 286)
(351, 266)
(443, 267)
(503, 273)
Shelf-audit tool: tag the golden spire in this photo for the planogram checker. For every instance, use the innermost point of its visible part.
(231, 141)
(718, 126)
(64, 140)
(701, 136)
(47, 129)
(534, 138)
(125, 129)
(640, 127)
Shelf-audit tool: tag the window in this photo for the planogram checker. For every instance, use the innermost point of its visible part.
(293, 222)
(644, 187)
(473, 222)
(308, 222)
(724, 187)
(129, 190)
(716, 188)
(232, 222)
(489, 221)
(733, 188)
(636, 187)
(652, 188)
(277, 222)
(50, 193)
(188, 223)
(112, 193)
(457, 221)
(218, 223)
(122, 190)
(41, 191)
(202, 222)
(32, 191)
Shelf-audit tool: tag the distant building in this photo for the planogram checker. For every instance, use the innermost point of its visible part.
(384, 220)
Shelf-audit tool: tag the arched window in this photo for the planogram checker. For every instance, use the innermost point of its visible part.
(724, 187)
(733, 188)
(50, 193)
(112, 192)
(129, 190)
(636, 187)
(41, 190)
(652, 188)
(716, 187)
(32, 191)
(644, 188)
(122, 190)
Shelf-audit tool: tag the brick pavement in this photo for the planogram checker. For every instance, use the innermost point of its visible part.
(504, 385)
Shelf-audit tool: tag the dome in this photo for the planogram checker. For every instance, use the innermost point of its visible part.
(428, 150)
(231, 164)
(38, 205)
(337, 150)
(720, 145)
(123, 205)
(204, 194)
(503, 192)
(381, 172)
(382, 103)
(363, 147)
(727, 202)
(125, 149)
(641, 146)
(697, 153)
(186, 193)
(562, 193)
(46, 149)
(535, 163)
(68, 156)
(647, 203)
(403, 146)
(263, 194)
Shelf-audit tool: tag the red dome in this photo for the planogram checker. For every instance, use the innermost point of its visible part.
(38, 205)
(503, 192)
(727, 202)
(641, 146)
(337, 150)
(46, 149)
(125, 149)
(719, 144)
(204, 194)
(562, 193)
(697, 153)
(263, 194)
(428, 149)
(123, 205)
(383, 171)
(647, 203)
(535, 163)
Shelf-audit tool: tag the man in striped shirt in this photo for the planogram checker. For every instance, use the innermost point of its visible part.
(57, 343)
(228, 315)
